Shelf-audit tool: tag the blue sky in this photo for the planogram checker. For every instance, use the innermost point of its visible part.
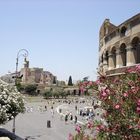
(61, 36)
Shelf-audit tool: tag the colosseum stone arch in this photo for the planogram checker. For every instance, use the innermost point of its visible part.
(119, 46)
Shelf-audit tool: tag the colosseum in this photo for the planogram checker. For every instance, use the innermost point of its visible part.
(119, 46)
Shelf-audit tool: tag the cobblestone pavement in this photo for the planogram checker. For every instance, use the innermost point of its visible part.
(33, 123)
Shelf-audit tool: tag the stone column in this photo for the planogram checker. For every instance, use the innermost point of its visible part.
(119, 61)
(110, 61)
(131, 55)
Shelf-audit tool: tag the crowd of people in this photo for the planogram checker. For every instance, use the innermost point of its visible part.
(69, 110)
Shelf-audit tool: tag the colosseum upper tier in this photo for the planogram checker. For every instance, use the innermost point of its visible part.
(119, 46)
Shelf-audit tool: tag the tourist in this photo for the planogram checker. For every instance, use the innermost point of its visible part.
(76, 107)
(60, 110)
(81, 112)
(71, 117)
(52, 111)
(75, 120)
(31, 109)
(45, 108)
(66, 118)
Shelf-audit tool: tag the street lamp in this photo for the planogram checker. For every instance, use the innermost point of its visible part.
(24, 53)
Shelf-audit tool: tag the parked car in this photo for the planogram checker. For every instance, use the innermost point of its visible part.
(7, 135)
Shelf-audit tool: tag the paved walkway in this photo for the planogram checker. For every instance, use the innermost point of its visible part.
(33, 123)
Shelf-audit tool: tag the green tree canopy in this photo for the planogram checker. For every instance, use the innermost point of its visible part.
(31, 89)
(70, 81)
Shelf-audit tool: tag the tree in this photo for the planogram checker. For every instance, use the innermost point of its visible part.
(70, 81)
(47, 94)
(31, 89)
(11, 102)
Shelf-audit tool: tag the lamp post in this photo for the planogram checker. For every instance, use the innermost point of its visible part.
(24, 53)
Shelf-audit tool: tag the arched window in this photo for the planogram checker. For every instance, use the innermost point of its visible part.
(123, 54)
(106, 57)
(123, 31)
(136, 47)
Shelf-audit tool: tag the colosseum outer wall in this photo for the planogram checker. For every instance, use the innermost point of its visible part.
(119, 46)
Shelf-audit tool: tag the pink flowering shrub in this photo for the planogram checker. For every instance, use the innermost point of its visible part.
(120, 96)
(81, 135)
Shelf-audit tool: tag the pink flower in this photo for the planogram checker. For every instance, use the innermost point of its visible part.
(131, 83)
(70, 136)
(82, 89)
(100, 127)
(85, 83)
(125, 94)
(90, 83)
(130, 126)
(104, 94)
(134, 89)
(138, 103)
(108, 91)
(138, 126)
(138, 67)
(130, 70)
(117, 106)
(78, 128)
(138, 110)
(97, 81)
(89, 125)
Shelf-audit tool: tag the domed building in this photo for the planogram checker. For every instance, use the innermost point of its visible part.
(119, 46)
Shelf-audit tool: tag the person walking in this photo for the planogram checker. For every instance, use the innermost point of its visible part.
(75, 120)
(52, 111)
(66, 118)
(71, 117)
(45, 108)
(76, 107)
(60, 110)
